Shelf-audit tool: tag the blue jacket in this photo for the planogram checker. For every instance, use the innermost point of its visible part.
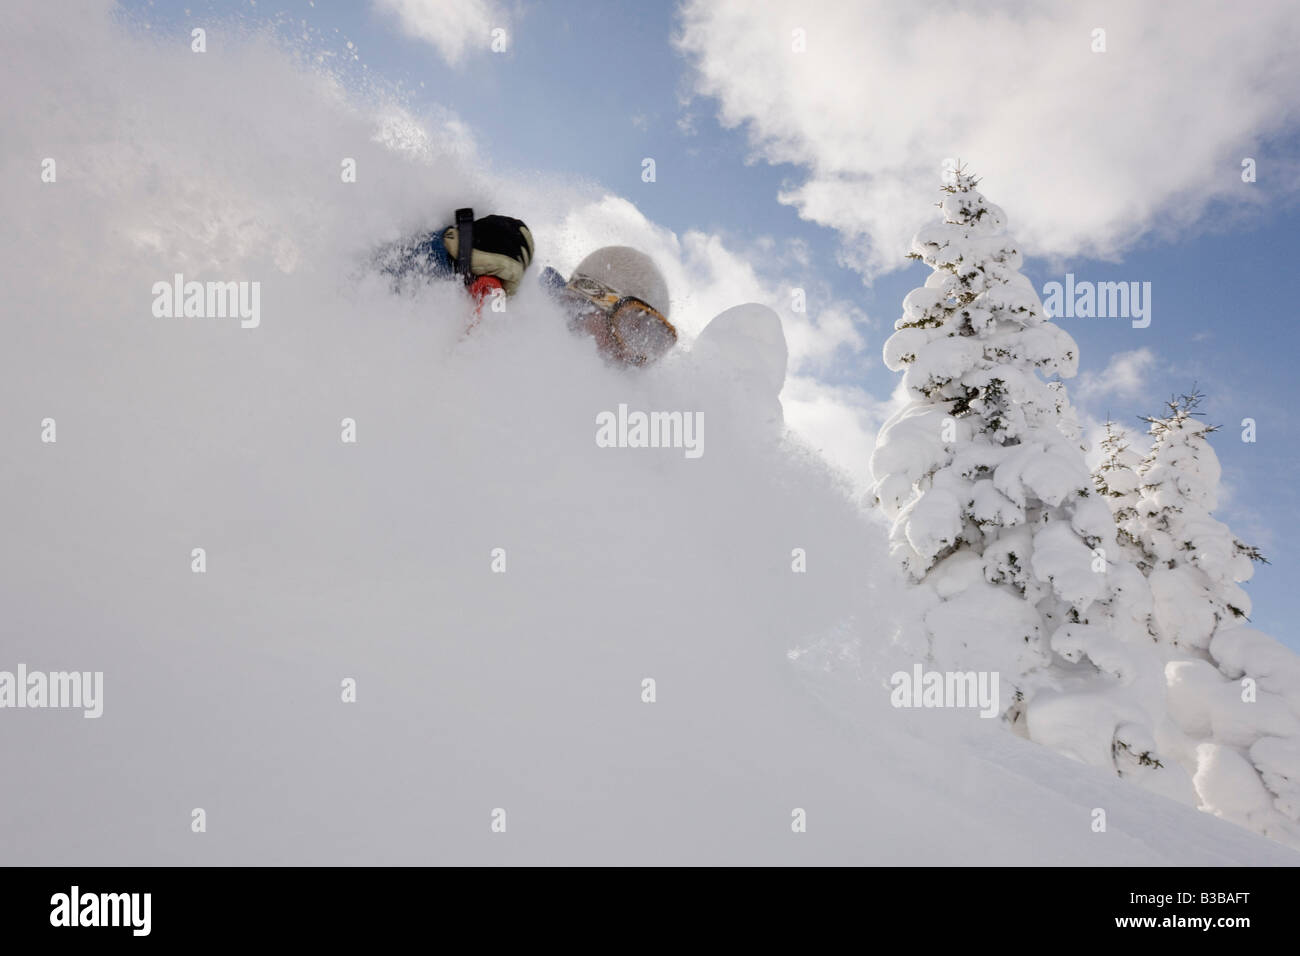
(423, 256)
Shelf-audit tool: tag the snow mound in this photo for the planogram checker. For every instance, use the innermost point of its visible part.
(745, 352)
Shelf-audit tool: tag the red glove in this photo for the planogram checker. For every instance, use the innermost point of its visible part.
(482, 287)
(480, 290)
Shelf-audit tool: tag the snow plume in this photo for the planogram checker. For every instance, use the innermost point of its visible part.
(597, 642)
(864, 94)
(485, 678)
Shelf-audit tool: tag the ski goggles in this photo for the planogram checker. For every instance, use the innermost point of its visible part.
(641, 331)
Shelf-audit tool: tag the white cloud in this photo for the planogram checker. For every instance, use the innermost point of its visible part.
(1123, 381)
(1086, 151)
(1124, 377)
(453, 27)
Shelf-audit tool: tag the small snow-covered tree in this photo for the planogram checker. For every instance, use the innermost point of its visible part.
(1195, 562)
(1116, 480)
(982, 472)
(1236, 692)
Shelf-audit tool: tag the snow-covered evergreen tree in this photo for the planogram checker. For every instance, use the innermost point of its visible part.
(1195, 563)
(982, 473)
(1109, 602)
(1235, 694)
(1116, 480)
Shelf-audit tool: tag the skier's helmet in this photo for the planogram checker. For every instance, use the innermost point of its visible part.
(628, 272)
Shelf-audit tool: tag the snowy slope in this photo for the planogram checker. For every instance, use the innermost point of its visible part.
(476, 690)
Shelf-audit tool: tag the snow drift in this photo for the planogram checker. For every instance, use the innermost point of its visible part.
(477, 690)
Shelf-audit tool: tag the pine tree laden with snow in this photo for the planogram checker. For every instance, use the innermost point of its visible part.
(1116, 480)
(1196, 563)
(1236, 692)
(1130, 605)
(982, 473)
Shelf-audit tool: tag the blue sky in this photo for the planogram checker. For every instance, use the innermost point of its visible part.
(588, 89)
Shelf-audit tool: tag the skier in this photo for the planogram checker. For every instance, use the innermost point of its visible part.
(617, 296)
(489, 254)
